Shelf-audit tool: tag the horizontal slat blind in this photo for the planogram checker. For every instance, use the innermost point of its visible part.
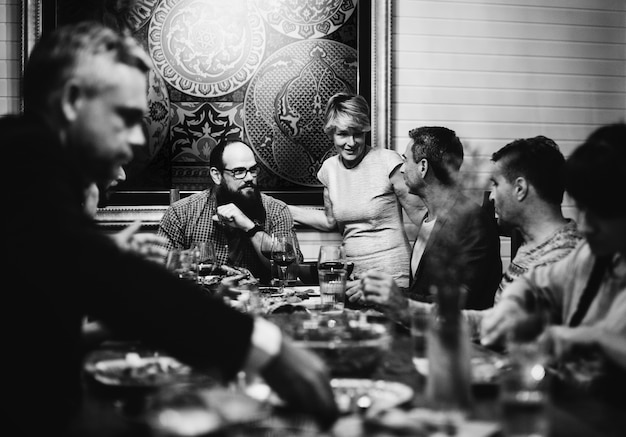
(10, 57)
(497, 70)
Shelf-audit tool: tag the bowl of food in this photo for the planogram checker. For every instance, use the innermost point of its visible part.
(350, 345)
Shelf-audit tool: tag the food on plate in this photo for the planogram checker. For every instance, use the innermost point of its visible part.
(287, 308)
(190, 411)
(417, 422)
(350, 346)
(138, 371)
(226, 277)
(353, 395)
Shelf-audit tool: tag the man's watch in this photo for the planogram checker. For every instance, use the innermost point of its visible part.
(256, 228)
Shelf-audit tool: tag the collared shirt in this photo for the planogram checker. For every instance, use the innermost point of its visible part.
(554, 248)
(190, 220)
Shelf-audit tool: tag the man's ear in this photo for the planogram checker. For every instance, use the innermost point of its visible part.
(215, 175)
(520, 186)
(71, 100)
(423, 167)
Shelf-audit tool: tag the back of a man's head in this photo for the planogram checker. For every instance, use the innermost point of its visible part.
(595, 172)
(539, 161)
(441, 147)
(67, 54)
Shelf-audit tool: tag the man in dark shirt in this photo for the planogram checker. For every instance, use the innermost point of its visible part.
(458, 244)
(85, 96)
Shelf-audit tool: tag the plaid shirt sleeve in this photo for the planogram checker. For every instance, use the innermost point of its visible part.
(171, 227)
(280, 221)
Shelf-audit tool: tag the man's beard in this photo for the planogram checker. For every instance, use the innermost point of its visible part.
(251, 206)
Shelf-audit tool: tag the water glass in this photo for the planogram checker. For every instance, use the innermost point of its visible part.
(332, 274)
(420, 322)
(524, 396)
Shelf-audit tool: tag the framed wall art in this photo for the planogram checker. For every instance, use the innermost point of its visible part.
(257, 70)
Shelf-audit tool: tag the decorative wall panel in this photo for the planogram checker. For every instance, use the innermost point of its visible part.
(285, 103)
(206, 48)
(306, 19)
(258, 70)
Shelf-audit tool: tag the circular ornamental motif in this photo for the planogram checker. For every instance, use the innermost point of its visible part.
(138, 13)
(206, 48)
(306, 19)
(285, 102)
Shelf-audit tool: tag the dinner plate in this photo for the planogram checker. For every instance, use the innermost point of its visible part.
(347, 391)
(380, 394)
(136, 371)
(486, 369)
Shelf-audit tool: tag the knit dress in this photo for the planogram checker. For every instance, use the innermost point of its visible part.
(368, 213)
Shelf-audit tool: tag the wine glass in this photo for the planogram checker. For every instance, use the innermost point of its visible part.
(283, 254)
(267, 241)
(205, 258)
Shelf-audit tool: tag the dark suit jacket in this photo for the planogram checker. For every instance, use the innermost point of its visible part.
(59, 268)
(464, 243)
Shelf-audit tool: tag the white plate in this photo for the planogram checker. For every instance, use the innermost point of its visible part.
(383, 394)
(136, 371)
(485, 369)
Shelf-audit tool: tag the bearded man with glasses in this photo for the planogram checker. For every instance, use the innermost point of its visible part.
(232, 214)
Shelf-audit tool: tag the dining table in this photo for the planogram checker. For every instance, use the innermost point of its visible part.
(570, 413)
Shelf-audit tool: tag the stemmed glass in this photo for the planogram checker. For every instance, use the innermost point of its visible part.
(283, 254)
(267, 242)
(205, 259)
(183, 264)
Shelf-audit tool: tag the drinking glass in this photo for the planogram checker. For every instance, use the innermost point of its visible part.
(267, 242)
(524, 386)
(332, 274)
(420, 322)
(205, 259)
(283, 254)
(183, 264)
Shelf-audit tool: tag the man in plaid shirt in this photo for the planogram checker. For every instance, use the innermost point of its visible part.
(232, 214)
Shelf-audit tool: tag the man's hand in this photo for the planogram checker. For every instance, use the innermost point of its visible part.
(379, 287)
(561, 340)
(151, 246)
(301, 379)
(499, 320)
(231, 215)
(353, 291)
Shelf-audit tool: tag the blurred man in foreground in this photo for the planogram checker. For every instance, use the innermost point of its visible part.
(85, 96)
(585, 293)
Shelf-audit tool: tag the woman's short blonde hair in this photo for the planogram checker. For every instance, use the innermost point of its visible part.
(346, 111)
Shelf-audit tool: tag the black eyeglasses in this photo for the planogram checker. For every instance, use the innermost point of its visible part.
(241, 172)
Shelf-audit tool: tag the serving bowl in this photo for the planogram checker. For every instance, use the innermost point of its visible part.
(350, 345)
